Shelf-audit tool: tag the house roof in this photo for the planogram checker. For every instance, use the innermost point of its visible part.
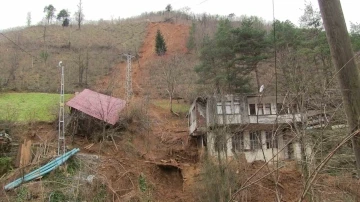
(100, 106)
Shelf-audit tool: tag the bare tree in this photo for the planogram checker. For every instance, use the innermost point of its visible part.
(79, 15)
(167, 75)
(28, 19)
(82, 62)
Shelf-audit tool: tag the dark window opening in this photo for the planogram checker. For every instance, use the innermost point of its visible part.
(252, 109)
(255, 140)
(290, 152)
(271, 142)
(238, 142)
(204, 140)
(280, 108)
(220, 143)
(293, 109)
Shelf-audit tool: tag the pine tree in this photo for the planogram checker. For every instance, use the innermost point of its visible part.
(250, 44)
(160, 46)
(217, 67)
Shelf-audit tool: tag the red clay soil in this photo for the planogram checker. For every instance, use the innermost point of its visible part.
(175, 36)
(166, 140)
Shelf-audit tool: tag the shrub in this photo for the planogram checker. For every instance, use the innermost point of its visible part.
(5, 165)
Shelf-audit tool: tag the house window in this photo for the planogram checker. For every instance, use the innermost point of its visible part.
(260, 109)
(255, 140)
(270, 142)
(238, 142)
(280, 108)
(228, 107)
(219, 108)
(252, 109)
(220, 143)
(236, 107)
(267, 108)
(293, 109)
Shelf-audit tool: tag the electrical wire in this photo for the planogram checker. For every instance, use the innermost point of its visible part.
(203, 2)
(22, 49)
(275, 56)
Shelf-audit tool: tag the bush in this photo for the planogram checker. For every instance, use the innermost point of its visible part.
(22, 194)
(216, 180)
(57, 196)
(135, 113)
(5, 165)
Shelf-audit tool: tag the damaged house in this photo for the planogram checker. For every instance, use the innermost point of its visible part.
(89, 109)
(245, 125)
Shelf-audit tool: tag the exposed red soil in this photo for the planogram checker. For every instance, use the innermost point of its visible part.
(175, 36)
(167, 138)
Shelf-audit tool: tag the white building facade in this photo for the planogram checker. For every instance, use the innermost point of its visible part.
(251, 126)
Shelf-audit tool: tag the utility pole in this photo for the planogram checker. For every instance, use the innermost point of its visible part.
(128, 86)
(343, 59)
(61, 136)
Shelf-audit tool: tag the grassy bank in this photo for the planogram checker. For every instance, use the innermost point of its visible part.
(177, 107)
(24, 107)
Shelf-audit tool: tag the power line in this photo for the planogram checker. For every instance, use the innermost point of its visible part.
(275, 55)
(22, 49)
(203, 2)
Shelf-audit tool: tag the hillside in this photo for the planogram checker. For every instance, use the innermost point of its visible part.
(87, 54)
(155, 135)
(150, 156)
(144, 80)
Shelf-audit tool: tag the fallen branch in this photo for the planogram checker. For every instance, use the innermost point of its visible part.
(253, 175)
(254, 182)
(322, 164)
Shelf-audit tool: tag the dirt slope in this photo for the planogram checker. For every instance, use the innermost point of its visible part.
(164, 143)
(175, 36)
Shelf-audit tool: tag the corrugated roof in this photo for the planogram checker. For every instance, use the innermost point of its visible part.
(98, 105)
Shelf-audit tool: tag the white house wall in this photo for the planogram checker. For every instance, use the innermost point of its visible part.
(196, 113)
(297, 151)
(263, 154)
(213, 116)
(192, 116)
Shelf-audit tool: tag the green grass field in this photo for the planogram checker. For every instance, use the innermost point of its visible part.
(25, 107)
(177, 107)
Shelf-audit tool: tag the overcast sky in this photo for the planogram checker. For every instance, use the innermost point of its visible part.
(13, 13)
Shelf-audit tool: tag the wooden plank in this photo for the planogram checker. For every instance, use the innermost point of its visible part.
(24, 154)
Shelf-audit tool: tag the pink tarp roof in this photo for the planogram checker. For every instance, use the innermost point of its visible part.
(98, 105)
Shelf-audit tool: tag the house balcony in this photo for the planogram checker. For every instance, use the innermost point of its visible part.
(271, 118)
